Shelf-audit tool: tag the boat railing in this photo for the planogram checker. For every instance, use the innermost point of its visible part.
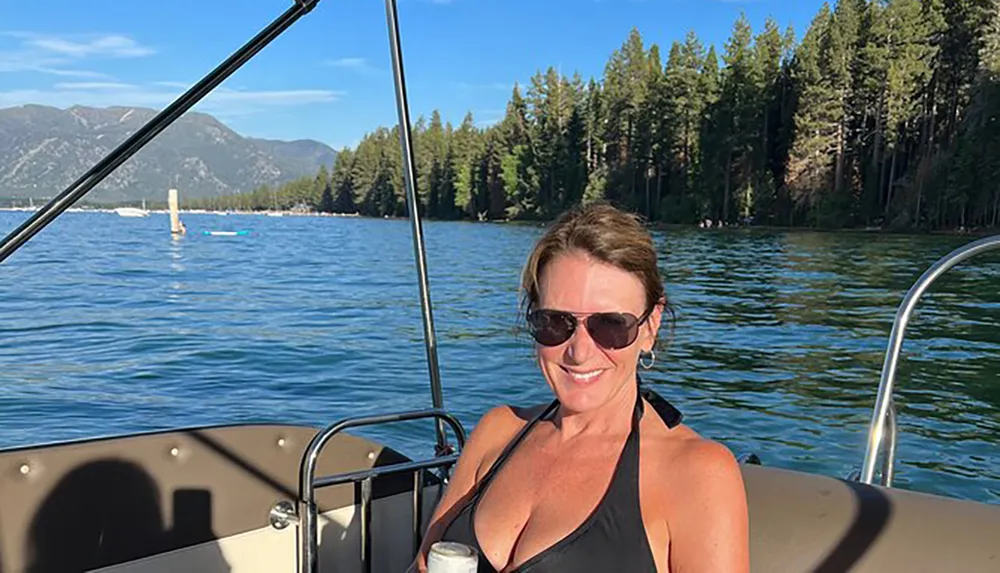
(881, 446)
(306, 516)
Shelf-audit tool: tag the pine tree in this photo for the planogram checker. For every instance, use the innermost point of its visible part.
(343, 182)
(683, 100)
(768, 162)
(713, 137)
(465, 150)
(809, 171)
(321, 183)
(326, 200)
(738, 107)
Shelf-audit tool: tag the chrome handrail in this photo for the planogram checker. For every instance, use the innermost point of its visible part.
(888, 448)
(308, 514)
(884, 410)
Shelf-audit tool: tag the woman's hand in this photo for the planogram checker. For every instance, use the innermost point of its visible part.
(418, 565)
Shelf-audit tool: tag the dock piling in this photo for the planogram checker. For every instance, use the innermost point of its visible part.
(176, 227)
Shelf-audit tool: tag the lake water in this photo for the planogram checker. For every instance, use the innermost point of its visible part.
(108, 326)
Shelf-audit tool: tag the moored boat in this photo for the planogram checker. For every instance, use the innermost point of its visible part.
(131, 212)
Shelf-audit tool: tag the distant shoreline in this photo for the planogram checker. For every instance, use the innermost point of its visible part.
(112, 210)
(655, 225)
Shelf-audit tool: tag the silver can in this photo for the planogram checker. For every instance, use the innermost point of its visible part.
(451, 557)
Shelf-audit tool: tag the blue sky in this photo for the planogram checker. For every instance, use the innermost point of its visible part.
(328, 77)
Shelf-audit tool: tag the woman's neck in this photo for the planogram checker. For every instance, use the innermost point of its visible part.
(612, 417)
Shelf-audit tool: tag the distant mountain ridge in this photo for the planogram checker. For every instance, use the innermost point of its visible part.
(43, 149)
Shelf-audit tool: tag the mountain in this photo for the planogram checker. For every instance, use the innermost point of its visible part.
(43, 149)
(303, 153)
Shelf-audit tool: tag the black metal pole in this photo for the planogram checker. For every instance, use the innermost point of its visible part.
(150, 130)
(409, 179)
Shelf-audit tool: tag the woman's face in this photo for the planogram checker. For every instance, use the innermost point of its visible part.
(584, 375)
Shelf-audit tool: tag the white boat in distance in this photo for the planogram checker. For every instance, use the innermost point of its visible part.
(133, 211)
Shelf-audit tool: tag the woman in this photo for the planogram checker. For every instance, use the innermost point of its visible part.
(605, 478)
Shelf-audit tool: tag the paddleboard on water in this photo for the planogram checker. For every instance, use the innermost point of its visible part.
(226, 233)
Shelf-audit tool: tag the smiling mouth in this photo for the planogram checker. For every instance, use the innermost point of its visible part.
(587, 376)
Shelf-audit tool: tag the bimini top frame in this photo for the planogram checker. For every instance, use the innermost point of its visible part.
(75, 191)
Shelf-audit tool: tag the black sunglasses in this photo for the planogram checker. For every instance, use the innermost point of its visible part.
(611, 330)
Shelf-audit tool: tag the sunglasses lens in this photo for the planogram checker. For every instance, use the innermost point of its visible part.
(613, 330)
(551, 328)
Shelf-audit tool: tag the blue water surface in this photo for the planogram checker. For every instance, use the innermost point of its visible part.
(108, 325)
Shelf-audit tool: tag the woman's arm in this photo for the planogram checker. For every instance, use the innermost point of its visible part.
(461, 486)
(709, 530)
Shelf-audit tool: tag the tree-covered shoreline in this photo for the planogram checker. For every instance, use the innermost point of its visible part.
(884, 115)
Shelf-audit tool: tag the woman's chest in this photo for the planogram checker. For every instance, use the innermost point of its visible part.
(539, 501)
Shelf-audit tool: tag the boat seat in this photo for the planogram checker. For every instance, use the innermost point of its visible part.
(805, 522)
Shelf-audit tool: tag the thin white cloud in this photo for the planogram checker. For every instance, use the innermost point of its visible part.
(348, 63)
(25, 61)
(59, 55)
(173, 84)
(92, 86)
(222, 101)
(357, 65)
(73, 73)
(87, 45)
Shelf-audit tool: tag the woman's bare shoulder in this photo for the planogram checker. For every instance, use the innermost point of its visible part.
(498, 426)
(688, 456)
(507, 415)
(703, 500)
(708, 462)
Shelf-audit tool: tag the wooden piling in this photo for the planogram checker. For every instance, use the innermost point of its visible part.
(176, 227)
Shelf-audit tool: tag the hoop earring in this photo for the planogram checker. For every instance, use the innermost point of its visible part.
(652, 359)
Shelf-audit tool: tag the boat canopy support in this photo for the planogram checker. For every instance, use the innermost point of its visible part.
(413, 208)
(882, 430)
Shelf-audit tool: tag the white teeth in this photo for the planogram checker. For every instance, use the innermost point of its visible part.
(585, 375)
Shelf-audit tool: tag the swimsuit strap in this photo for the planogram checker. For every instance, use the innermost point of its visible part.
(509, 449)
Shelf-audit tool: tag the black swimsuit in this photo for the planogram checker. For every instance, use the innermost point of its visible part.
(612, 538)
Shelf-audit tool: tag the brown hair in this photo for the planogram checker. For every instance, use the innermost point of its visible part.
(606, 234)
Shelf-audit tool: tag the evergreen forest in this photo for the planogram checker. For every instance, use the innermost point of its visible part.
(884, 114)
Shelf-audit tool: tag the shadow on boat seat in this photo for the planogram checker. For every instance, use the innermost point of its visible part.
(870, 519)
(108, 511)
